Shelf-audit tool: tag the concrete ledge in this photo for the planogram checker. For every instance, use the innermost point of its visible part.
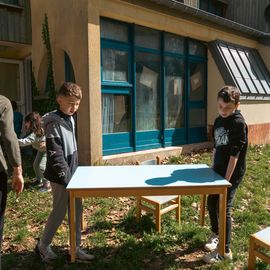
(131, 158)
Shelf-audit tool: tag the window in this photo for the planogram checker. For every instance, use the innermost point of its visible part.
(146, 81)
(10, 2)
(217, 7)
(11, 81)
(242, 67)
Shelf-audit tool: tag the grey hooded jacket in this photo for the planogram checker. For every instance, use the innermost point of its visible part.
(8, 136)
(61, 146)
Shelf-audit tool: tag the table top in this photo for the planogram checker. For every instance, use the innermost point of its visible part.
(145, 176)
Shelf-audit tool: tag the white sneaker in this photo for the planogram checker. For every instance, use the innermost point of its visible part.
(215, 257)
(45, 252)
(212, 243)
(83, 256)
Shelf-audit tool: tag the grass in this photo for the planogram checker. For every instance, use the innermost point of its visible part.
(119, 242)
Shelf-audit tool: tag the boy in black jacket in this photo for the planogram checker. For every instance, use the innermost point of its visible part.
(62, 161)
(230, 147)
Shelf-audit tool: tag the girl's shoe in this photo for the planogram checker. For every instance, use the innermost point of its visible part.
(46, 188)
(37, 183)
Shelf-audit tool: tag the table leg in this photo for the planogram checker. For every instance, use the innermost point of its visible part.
(72, 227)
(222, 221)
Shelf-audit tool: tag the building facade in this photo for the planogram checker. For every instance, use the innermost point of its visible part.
(150, 70)
(15, 52)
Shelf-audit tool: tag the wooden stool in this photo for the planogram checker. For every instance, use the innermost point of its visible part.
(174, 201)
(259, 240)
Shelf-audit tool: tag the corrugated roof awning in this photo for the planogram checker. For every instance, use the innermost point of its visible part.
(242, 67)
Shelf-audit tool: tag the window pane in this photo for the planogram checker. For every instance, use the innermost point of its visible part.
(148, 38)
(258, 68)
(243, 70)
(235, 72)
(197, 81)
(115, 113)
(10, 81)
(147, 91)
(197, 118)
(12, 2)
(114, 30)
(174, 44)
(114, 65)
(196, 48)
(174, 92)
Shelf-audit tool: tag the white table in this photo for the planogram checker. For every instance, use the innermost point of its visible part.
(120, 181)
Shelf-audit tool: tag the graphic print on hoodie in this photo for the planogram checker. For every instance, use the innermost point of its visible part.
(221, 136)
(230, 139)
(62, 156)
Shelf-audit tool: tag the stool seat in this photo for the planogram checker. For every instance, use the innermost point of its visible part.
(263, 235)
(259, 242)
(160, 199)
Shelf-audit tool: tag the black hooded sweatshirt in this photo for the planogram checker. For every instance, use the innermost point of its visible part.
(230, 139)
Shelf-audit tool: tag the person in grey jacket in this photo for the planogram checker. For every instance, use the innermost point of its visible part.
(62, 161)
(36, 138)
(10, 145)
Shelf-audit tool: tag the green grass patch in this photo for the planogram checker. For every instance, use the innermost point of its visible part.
(118, 241)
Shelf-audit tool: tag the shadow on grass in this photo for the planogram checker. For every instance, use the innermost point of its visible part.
(129, 255)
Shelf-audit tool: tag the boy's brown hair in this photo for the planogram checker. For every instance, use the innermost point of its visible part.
(69, 89)
(229, 94)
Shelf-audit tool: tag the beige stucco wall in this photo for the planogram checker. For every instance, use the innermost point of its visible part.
(256, 112)
(68, 24)
(214, 83)
(264, 51)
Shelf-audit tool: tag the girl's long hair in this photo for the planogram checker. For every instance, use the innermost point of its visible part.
(34, 119)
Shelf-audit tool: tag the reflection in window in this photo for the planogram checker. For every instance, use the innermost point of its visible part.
(174, 44)
(115, 113)
(147, 91)
(244, 67)
(197, 118)
(196, 48)
(10, 81)
(148, 38)
(174, 87)
(114, 65)
(197, 81)
(114, 31)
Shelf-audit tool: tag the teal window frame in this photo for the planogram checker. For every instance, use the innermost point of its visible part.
(134, 140)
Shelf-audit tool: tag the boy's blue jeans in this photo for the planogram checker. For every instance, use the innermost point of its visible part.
(213, 208)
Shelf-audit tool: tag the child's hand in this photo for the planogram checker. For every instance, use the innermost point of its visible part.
(17, 180)
(42, 146)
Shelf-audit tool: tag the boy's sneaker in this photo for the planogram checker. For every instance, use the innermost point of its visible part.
(83, 256)
(45, 253)
(212, 243)
(215, 257)
(45, 189)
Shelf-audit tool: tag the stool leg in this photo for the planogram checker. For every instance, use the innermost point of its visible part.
(158, 217)
(138, 210)
(202, 210)
(178, 210)
(251, 256)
